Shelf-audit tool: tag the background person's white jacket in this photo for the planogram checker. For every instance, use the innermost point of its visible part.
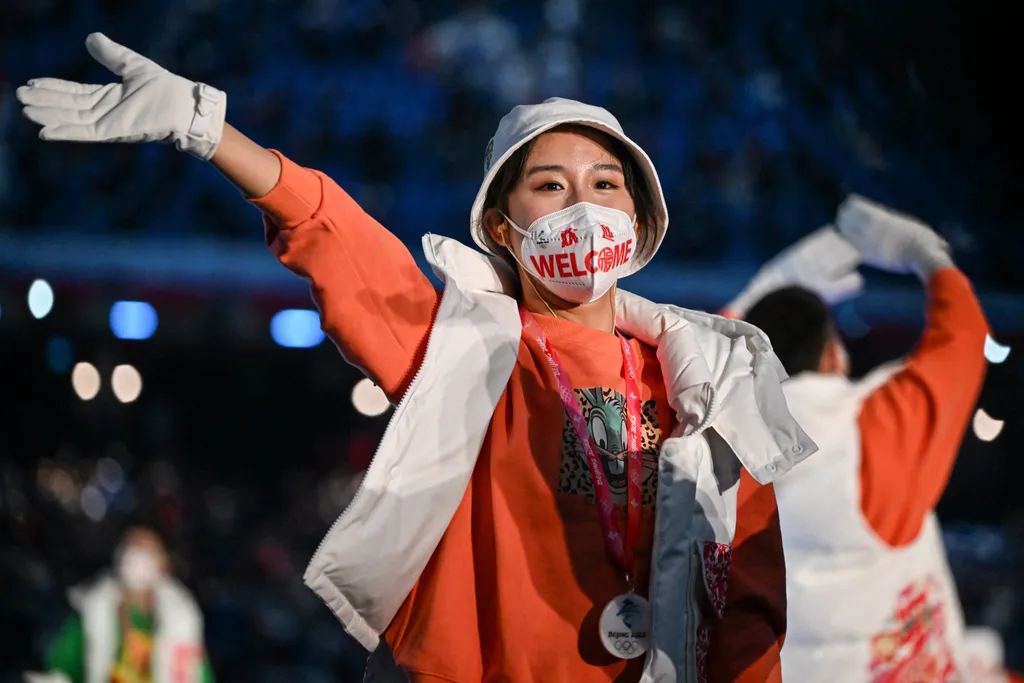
(723, 382)
(859, 610)
(177, 641)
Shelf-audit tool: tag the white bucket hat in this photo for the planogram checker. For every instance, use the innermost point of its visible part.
(527, 121)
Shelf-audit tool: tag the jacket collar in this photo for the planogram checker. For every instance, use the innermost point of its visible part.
(718, 372)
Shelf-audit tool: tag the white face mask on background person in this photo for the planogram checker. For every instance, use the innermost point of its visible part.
(138, 569)
(580, 251)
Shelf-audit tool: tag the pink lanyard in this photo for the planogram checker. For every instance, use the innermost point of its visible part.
(620, 548)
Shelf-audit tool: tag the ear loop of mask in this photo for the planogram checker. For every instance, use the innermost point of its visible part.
(529, 277)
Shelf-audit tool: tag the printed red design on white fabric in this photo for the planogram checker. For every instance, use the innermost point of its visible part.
(914, 648)
(184, 663)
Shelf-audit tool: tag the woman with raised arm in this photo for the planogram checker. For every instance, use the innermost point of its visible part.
(573, 476)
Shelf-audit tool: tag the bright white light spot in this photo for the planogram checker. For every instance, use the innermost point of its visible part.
(369, 399)
(986, 427)
(94, 505)
(133, 320)
(126, 382)
(994, 351)
(40, 299)
(296, 328)
(85, 379)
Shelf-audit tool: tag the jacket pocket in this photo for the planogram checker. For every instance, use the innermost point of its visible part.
(715, 561)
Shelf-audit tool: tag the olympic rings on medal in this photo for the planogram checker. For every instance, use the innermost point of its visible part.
(626, 646)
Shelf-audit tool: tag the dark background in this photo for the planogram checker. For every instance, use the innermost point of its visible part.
(760, 118)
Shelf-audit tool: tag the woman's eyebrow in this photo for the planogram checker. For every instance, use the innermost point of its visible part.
(549, 168)
(607, 167)
(557, 168)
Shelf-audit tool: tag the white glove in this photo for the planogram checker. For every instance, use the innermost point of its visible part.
(150, 104)
(823, 262)
(892, 241)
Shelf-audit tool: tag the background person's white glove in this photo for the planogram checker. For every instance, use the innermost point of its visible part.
(892, 241)
(823, 262)
(150, 104)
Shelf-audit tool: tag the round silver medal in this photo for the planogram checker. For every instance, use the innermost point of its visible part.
(626, 625)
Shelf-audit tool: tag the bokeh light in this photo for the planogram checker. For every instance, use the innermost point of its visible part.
(296, 328)
(369, 399)
(126, 383)
(994, 351)
(40, 299)
(59, 354)
(986, 427)
(85, 379)
(133, 320)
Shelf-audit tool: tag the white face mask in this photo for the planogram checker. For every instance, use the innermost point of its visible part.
(138, 569)
(579, 252)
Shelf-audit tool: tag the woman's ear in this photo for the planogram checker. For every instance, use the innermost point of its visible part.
(643, 238)
(497, 227)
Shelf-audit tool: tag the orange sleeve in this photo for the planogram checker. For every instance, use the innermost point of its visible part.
(747, 640)
(911, 427)
(374, 301)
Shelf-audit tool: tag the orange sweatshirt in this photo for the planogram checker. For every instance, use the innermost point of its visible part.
(911, 427)
(515, 587)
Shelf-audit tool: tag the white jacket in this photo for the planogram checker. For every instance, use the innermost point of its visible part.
(723, 382)
(860, 611)
(177, 642)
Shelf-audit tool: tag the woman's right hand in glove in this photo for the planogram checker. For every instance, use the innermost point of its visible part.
(149, 104)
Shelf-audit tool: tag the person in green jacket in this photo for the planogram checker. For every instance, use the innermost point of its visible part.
(136, 624)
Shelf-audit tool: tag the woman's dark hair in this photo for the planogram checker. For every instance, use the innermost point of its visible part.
(799, 325)
(511, 172)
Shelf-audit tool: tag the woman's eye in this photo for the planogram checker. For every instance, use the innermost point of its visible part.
(605, 185)
(550, 187)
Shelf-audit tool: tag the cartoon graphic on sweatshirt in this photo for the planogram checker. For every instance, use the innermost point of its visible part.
(605, 412)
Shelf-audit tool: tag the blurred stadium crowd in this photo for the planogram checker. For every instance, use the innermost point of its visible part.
(760, 116)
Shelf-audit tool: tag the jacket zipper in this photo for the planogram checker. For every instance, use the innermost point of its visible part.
(696, 583)
(387, 430)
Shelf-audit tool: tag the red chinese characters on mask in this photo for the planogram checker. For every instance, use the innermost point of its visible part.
(569, 237)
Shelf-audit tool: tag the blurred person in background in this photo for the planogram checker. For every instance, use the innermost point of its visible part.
(505, 528)
(481, 49)
(135, 624)
(871, 596)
